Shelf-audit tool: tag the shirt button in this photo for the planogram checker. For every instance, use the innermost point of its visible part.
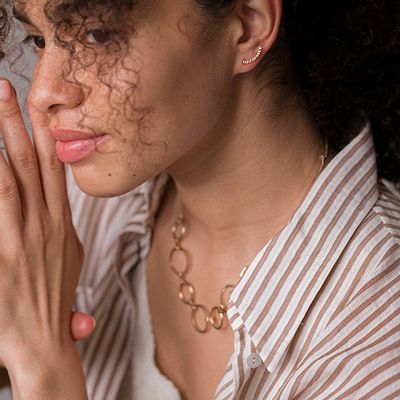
(254, 360)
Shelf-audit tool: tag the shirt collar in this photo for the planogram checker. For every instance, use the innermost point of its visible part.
(274, 294)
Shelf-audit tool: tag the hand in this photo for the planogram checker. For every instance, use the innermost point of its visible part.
(40, 253)
(82, 326)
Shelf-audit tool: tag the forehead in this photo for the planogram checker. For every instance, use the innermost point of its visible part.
(29, 12)
(31, 5)
(59, 10)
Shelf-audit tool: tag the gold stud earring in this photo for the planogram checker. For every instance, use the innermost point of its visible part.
(259, 50)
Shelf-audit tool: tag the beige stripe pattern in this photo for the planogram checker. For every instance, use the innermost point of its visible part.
(316, 314)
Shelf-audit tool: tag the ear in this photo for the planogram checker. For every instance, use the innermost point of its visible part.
(257, 23)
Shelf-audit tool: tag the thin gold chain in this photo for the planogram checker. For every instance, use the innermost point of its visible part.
(322, 157)
(186, 292)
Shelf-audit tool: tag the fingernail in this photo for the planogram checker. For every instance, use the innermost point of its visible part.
(5, 90)
(94, 321)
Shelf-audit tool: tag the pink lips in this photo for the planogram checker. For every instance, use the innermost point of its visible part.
(73, 146)
(76, 150)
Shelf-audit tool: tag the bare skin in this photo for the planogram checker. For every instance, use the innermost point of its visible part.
(82, 325)
(231, 151)
(181, 353)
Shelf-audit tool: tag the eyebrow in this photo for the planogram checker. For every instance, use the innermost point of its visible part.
(21, 16)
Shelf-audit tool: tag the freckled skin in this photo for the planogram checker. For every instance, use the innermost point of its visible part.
(196, 112)
(165, 119)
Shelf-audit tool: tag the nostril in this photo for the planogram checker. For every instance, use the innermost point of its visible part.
(51, 94)
(53, 107)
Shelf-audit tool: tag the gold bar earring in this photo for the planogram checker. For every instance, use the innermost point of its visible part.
(259, 50)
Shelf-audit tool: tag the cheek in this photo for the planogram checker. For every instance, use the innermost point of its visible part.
(184, 99)
(175, 102)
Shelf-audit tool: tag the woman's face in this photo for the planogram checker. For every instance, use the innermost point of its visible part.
(168, 93)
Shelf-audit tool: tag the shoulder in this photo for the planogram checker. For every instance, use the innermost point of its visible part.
(383, 227)
(387, 208)
(373, 256)
(375, 244)
(357, 355)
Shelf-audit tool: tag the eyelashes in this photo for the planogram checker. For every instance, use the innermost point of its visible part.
(95, 37)
(101, 36)
(31, 40)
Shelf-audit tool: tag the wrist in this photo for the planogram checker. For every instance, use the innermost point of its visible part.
(55, 374)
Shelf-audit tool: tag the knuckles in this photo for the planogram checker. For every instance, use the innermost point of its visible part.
(11, 259)
(46, 229)
(25, 160)
(39, 238)
(10, 111)
(41, 232)
(8, 189)
(51, 162)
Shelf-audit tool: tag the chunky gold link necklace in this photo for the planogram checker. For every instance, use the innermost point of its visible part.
(186, 292)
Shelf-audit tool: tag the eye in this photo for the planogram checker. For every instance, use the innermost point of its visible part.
(98, 36)
(35, 40)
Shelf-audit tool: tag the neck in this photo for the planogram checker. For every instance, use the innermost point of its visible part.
(248, 181)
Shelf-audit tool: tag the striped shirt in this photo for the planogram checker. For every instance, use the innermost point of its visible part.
(315, 315)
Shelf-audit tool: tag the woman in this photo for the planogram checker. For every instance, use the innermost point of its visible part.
(222, 166)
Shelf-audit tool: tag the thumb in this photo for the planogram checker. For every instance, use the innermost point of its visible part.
(82, 325)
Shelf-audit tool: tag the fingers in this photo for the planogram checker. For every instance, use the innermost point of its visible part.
(39, 173)
(10, 208)
(51, 168)
(20, 152)
(10, 201)
(82, 325)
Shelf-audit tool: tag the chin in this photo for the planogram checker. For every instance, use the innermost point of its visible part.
(104, 184)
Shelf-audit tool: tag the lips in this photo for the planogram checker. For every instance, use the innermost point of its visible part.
(66, 135)
(73, 146)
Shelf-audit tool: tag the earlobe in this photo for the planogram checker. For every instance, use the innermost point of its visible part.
(260, 21)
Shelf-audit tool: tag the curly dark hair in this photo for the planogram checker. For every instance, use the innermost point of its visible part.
(340, 58)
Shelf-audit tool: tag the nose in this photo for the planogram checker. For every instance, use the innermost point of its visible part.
(50, 90)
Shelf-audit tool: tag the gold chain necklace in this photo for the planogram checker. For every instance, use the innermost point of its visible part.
(215, 317)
